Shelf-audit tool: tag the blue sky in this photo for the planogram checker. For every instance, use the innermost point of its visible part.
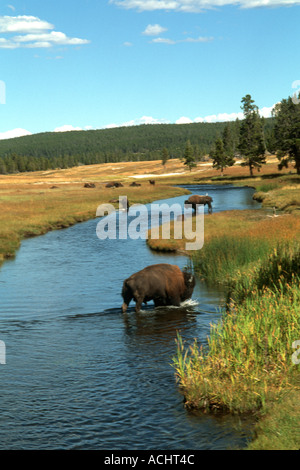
(90, 64)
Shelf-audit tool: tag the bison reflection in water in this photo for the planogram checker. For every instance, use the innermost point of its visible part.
(196, 199)
(165, 284)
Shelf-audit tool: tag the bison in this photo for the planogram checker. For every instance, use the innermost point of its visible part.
(135, 184)
(165, 284)
(114, 184)
(195, 199)
(152, 182)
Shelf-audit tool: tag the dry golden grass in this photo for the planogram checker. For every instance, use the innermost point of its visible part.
(254, 224)
(34, 203)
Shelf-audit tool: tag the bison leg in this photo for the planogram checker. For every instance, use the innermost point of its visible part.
(138, 305)
(174, 300)
(127, 297)
(124, 306)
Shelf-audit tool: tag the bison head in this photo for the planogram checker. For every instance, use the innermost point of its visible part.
(189, 281)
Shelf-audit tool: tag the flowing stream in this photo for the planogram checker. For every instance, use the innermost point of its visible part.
(81, 375)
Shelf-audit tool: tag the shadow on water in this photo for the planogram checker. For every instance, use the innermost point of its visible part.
(82, 375)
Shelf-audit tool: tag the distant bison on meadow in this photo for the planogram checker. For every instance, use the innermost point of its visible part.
(114, 184)
(165, 284)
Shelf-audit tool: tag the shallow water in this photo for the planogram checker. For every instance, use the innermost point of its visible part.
(81, 375)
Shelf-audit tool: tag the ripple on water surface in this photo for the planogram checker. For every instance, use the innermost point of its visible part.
(79, 373)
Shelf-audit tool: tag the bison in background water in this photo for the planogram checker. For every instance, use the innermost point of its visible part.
(165, 284)
(195, 199)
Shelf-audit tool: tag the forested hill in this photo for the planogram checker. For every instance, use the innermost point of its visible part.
(144, 142)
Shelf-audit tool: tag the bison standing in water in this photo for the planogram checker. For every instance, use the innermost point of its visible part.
(195, 199)
(165, 284)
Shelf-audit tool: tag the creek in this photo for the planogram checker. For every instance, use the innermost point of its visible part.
(81, 375)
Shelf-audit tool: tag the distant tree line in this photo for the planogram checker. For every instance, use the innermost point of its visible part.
(190, 142)
(63, 150)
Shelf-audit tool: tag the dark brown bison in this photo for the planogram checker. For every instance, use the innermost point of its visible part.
(195, 199)
(152, 182)
(114, 184)
(135, 184)
(89, 185)
(165, 284)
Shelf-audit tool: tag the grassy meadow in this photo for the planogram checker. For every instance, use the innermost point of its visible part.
(33, 203)
(254, 254)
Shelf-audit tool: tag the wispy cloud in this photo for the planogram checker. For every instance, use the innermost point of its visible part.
(138, 122)
(172, 41)
(32, 32)
(197, 6)
(163, 41)
(225, 117)
(154, 30)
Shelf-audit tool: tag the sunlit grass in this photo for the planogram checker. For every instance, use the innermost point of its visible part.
(29, 209)
(247, 363)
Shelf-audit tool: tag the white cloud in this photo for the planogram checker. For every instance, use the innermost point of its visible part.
(154, 30)
(48, 39)
(184, 120)
(23, 24)
(224, 117)
(172, 41)
(267, 112)
(34, 33)
(221, 117)
(67, 128)
(14, 133)
(197, 6)
(144, 120)
(163, 41)
(138, 122)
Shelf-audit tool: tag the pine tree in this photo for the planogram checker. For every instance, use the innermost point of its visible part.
(222, 158)
(251, 144)
(287, 133)
(164, 156)
(189, 159)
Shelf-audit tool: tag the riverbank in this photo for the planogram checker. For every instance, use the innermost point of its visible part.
(248, 366)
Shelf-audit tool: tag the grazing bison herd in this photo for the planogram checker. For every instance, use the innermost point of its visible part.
(116, 184)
